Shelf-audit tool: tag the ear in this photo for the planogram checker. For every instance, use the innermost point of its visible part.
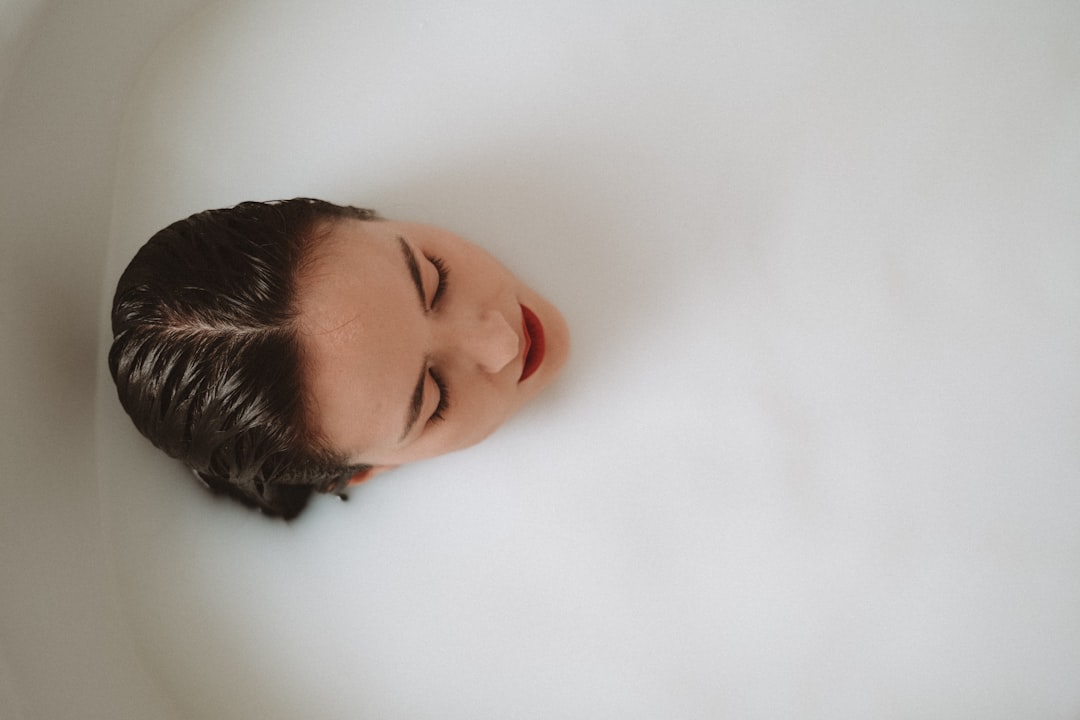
(369, 473)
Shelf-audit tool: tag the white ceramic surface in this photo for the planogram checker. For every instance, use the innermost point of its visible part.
(816, 453)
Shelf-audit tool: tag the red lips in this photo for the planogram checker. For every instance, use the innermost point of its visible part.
(534, 343)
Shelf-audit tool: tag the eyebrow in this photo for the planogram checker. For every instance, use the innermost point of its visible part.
(414, 270)
(416, 403)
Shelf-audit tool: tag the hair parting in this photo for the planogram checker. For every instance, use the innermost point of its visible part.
(206, 357)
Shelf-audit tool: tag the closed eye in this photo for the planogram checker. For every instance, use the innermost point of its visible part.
(444, 273)
(444, 398)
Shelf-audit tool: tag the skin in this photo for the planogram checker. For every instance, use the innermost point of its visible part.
(369, 335)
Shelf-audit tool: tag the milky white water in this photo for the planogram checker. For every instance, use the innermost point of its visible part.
(816, 453)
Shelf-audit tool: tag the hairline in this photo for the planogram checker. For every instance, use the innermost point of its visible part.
(314, 242)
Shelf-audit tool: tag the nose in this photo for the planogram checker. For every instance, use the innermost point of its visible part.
(490, 341)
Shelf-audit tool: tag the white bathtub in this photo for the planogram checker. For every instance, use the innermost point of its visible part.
(816, 453)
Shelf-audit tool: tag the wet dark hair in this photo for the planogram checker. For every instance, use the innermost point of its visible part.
(205, 353)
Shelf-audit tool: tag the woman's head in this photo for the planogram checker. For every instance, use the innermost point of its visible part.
(438, 339)
(286, 348)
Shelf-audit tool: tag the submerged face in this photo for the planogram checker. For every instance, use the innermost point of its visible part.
(417, 342)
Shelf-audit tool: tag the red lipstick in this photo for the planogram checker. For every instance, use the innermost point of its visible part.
(534, 343)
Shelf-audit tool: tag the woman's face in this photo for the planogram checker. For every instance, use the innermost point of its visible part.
(417, 342)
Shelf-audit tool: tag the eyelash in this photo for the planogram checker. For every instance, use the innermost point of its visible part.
(444, 398)
(444, 392)
(444, 273)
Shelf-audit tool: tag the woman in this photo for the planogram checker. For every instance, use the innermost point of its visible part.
(291, 347)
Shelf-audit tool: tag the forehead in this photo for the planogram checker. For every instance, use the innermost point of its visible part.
(355, 302)
(342, 251)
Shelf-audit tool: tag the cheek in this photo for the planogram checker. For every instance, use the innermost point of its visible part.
(482, 417)
(483, 267)
(476, 418)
